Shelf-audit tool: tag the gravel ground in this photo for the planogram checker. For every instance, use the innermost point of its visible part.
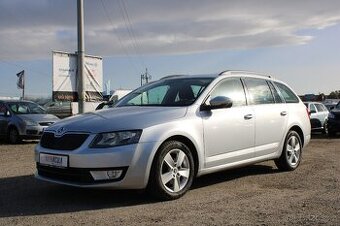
(254, 195)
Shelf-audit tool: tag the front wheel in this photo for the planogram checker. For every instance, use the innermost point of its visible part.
(13, 136)
(291, 153)
(172, 171)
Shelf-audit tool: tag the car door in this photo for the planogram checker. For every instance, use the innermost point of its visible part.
(322, 114)
(228, 132)
(3, 119)
(270, 115)
(314, 117)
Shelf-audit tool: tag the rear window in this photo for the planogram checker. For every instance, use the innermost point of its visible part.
(287, 93)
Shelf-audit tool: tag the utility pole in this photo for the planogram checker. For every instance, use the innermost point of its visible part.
(81, 53)
(145, 77)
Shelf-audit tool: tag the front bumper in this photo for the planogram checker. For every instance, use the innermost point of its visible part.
(134, 160)
(32, 132)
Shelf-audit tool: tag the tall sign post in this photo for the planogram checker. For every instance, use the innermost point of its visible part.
(81, 54)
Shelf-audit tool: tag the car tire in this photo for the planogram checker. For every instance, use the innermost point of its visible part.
(13, 136)
(291, 153)
(325, 127)
(172, 171)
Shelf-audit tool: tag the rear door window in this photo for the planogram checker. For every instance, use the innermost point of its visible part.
(259, 91)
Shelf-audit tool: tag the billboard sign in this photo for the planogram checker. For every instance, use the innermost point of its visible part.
(64, 72)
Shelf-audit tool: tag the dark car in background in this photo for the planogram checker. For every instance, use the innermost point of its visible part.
(23, 120)
(318, 116)
(334, 120)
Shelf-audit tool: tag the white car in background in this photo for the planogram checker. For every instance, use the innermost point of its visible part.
(164, 134)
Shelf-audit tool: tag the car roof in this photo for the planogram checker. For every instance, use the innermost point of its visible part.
(225, 73)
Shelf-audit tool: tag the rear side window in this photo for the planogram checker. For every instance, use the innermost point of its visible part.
(287, 93)
(312, 108)
(259, 91)
(319, 107)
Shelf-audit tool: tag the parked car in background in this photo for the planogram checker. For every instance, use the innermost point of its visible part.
(318, 116)
(117, 95)
(23, 120)
(61, 109)
(334, 120)
(164, 134)
(330, 103)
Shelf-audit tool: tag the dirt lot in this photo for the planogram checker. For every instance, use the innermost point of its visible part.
(255, 195)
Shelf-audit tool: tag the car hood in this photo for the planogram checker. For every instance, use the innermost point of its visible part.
(120, 118)
(39, 117)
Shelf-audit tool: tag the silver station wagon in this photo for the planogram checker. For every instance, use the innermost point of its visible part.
(164, 134)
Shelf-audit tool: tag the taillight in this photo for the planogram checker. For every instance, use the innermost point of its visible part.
(308, 113)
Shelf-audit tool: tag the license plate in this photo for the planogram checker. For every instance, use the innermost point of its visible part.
(53, 160)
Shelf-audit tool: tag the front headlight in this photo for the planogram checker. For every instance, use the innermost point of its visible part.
(30, 122)
(330, 115)
(112, 139)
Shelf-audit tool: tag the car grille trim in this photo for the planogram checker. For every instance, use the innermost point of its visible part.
(67, 142)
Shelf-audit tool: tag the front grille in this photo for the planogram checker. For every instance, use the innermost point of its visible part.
(69, 141)
(75, 175)
(31, 132)
(67, 174)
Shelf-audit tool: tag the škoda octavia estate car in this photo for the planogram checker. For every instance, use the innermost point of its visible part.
(164, 134)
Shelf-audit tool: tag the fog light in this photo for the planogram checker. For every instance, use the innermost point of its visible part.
(114, 174)
(106, 175)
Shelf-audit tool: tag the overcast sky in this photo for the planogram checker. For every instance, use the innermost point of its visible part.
(297, 41)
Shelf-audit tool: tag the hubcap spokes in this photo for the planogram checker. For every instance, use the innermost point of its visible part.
(175, 170)
(293, 151)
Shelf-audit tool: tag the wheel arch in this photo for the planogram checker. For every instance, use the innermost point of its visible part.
(185, 140)
(297, 129)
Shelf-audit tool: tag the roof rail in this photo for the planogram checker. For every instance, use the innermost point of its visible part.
(171, 76)
(231, 72)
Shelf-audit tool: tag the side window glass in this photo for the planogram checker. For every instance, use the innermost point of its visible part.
(259, 91)
(287, 93)
(319, 107)
(231, 88)
(275, 93)
(312, 108)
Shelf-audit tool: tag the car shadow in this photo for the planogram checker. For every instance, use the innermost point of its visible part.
(233, 174)
(3, 141)
(319, 135)
(26, 196)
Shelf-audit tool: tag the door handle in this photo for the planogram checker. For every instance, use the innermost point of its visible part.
(283, 113)
(248, 116)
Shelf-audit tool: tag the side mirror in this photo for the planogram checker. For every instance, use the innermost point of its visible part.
(312, 111)
(218, 103)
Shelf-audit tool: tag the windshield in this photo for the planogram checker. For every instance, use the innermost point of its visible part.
(167, 92)
(26, 108)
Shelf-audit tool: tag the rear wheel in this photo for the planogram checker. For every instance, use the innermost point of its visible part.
(325, 127)
(172, 171)
(291, 153)
(13, 136)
